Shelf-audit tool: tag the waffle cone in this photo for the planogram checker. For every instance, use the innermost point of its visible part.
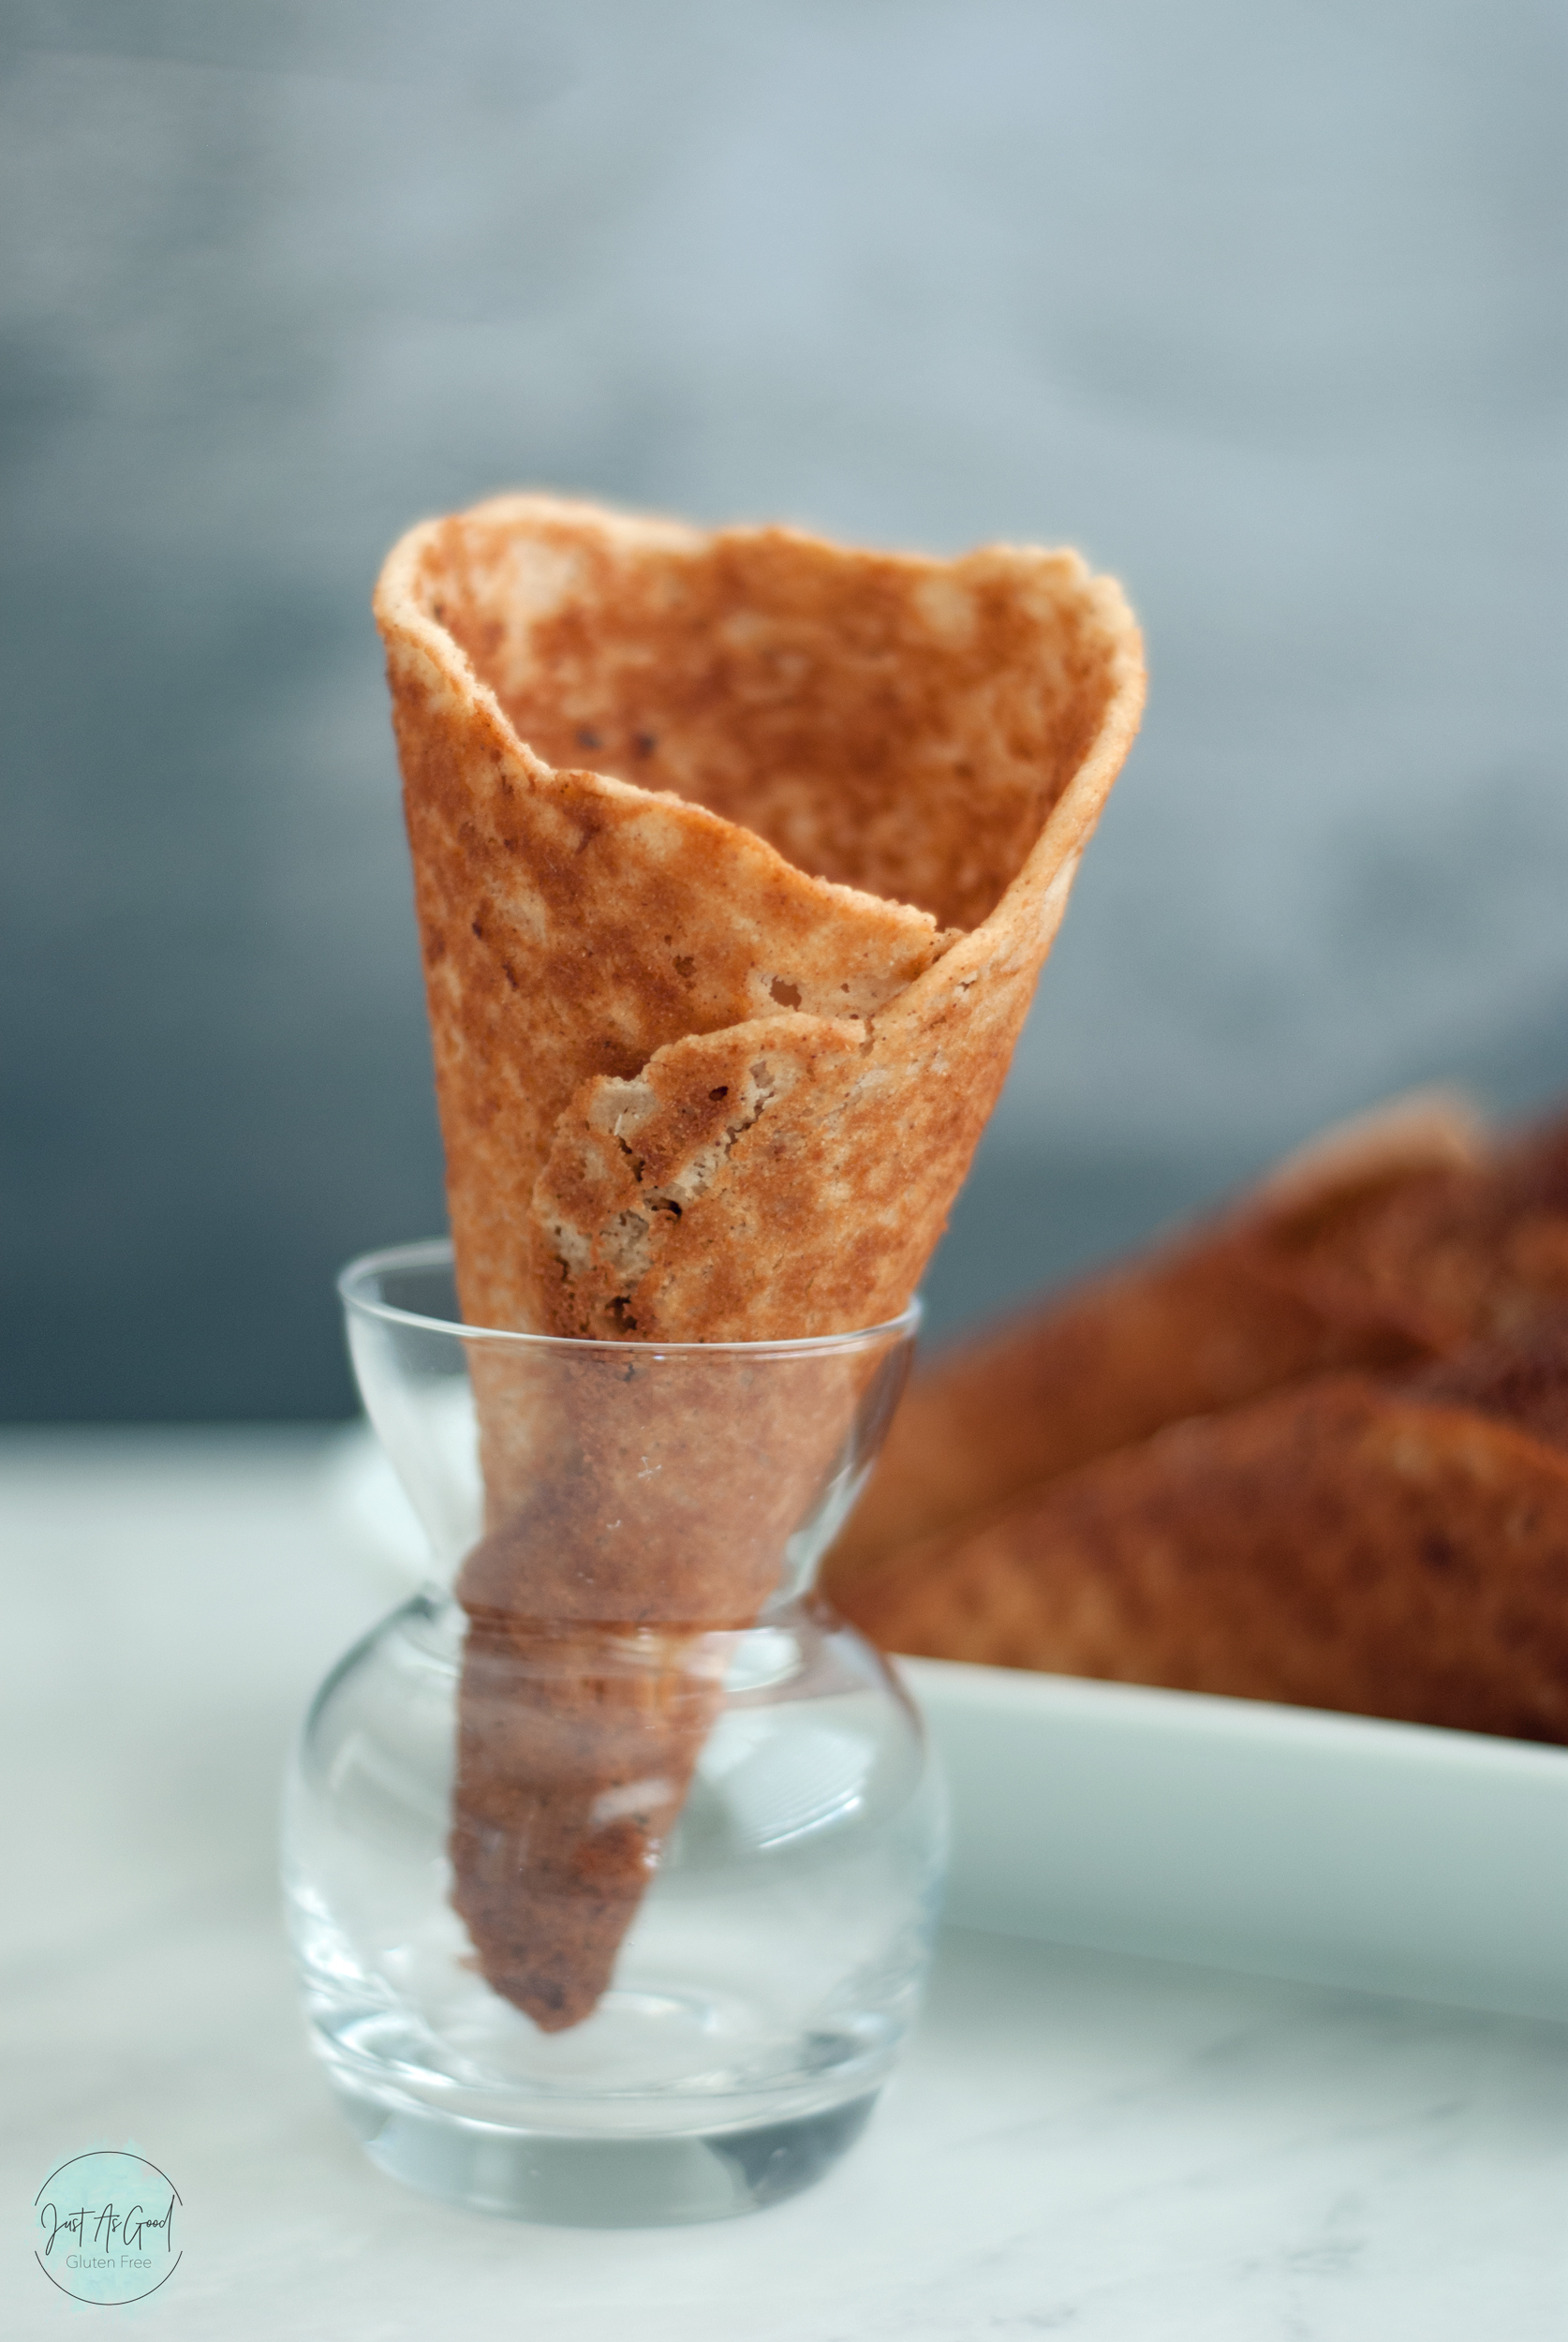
(736, 859)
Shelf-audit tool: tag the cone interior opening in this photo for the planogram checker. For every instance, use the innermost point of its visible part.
(812, 699)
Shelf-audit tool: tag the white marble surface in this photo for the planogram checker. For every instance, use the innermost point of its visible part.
(1110, 2148)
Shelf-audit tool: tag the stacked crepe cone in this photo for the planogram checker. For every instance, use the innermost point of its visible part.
(736, 860)
(1315, 1452)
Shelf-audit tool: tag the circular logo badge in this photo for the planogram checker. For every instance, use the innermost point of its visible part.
(105, 2227)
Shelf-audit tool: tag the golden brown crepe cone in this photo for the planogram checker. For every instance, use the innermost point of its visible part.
(1396, 1552)
(711, 1064)
(1215, 1316)
(1479, 1250)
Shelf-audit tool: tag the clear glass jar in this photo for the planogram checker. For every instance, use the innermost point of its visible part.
(614, 1858)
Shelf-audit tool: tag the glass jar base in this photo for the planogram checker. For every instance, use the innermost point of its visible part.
(601, 2183)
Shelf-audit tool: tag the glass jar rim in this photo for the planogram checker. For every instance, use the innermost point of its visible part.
(437, 1253)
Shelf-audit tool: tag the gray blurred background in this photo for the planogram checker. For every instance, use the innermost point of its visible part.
(1260, 305)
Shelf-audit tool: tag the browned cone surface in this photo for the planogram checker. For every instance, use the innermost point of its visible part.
(736, 859)
(1398, 1238)
(641, 1507)
(1395, 1552)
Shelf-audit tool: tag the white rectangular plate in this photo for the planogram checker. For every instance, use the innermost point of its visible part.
(1278, 1840)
